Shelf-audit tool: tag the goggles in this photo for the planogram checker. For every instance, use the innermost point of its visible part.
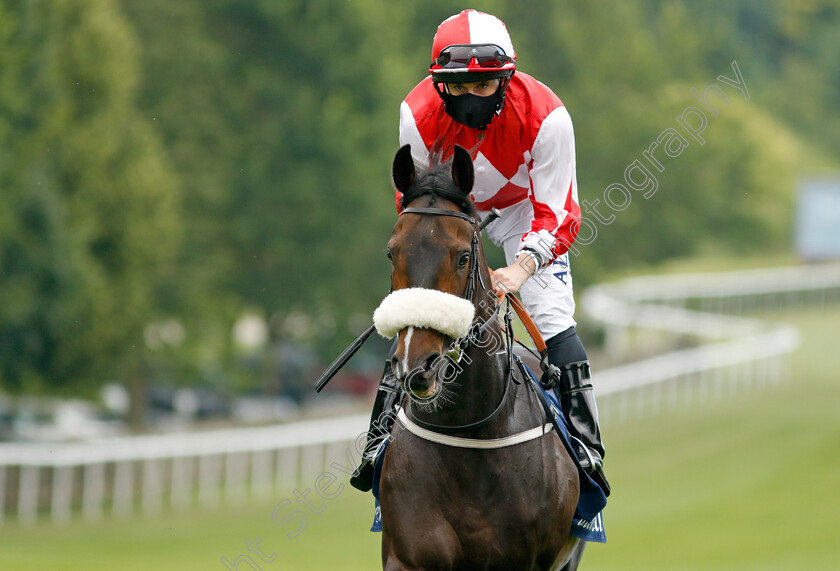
(459, 56)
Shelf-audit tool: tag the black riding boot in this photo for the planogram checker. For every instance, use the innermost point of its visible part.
(577, 399)
(388, 397)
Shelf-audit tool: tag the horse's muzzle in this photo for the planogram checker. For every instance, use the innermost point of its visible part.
(420, 381)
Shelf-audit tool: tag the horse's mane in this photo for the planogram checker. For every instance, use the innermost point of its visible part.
(436, 181)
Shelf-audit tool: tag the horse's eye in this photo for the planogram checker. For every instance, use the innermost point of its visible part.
(389, 255)
(464, 260)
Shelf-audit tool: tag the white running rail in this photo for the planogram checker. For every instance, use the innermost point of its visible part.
(150, 474)
(736, 352)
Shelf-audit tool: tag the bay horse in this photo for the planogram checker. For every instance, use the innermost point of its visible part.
(471, 478)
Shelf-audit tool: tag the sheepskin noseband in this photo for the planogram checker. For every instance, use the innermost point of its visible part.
(426, 308)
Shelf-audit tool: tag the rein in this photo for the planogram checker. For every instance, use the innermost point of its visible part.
(442, 434)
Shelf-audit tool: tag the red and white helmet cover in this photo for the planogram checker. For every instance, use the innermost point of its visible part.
(472, 27)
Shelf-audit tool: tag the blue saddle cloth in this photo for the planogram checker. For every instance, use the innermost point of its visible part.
(588, 523)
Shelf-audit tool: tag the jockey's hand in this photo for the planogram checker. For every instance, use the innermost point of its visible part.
(509, 279)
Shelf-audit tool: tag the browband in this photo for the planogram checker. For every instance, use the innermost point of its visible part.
(440, 212)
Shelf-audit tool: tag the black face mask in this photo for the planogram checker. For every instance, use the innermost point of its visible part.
(472, 110)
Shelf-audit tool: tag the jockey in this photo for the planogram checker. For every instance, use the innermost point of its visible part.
(520, 136)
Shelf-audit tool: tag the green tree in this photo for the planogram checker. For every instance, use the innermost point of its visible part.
(279, 117)
(281, 121)
(90, 220)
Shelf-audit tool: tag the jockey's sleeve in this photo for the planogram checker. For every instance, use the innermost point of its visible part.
(554, 194)
(410, 135)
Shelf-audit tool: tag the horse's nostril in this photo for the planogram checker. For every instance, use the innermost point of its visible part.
(431, 362)
(421, 379)
(395, 367)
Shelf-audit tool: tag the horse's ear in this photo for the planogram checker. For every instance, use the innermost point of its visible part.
(462, 169)
(403, 170)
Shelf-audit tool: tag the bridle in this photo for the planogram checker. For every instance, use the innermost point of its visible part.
(474, 277)
(440, 433)
(477, 329)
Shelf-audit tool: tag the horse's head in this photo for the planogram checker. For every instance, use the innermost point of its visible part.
(438, 269)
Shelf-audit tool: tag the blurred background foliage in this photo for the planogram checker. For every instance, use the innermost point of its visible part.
(168, 167)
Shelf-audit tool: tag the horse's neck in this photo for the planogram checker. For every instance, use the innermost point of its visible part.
(481, 383)
(484, 378)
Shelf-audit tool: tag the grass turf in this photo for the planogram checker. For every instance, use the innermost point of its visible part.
(745, 483)
(738, 484)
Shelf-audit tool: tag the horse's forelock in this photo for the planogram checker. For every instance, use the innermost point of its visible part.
(437, 182)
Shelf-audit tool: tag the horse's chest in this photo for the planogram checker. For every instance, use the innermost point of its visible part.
(479, 497)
